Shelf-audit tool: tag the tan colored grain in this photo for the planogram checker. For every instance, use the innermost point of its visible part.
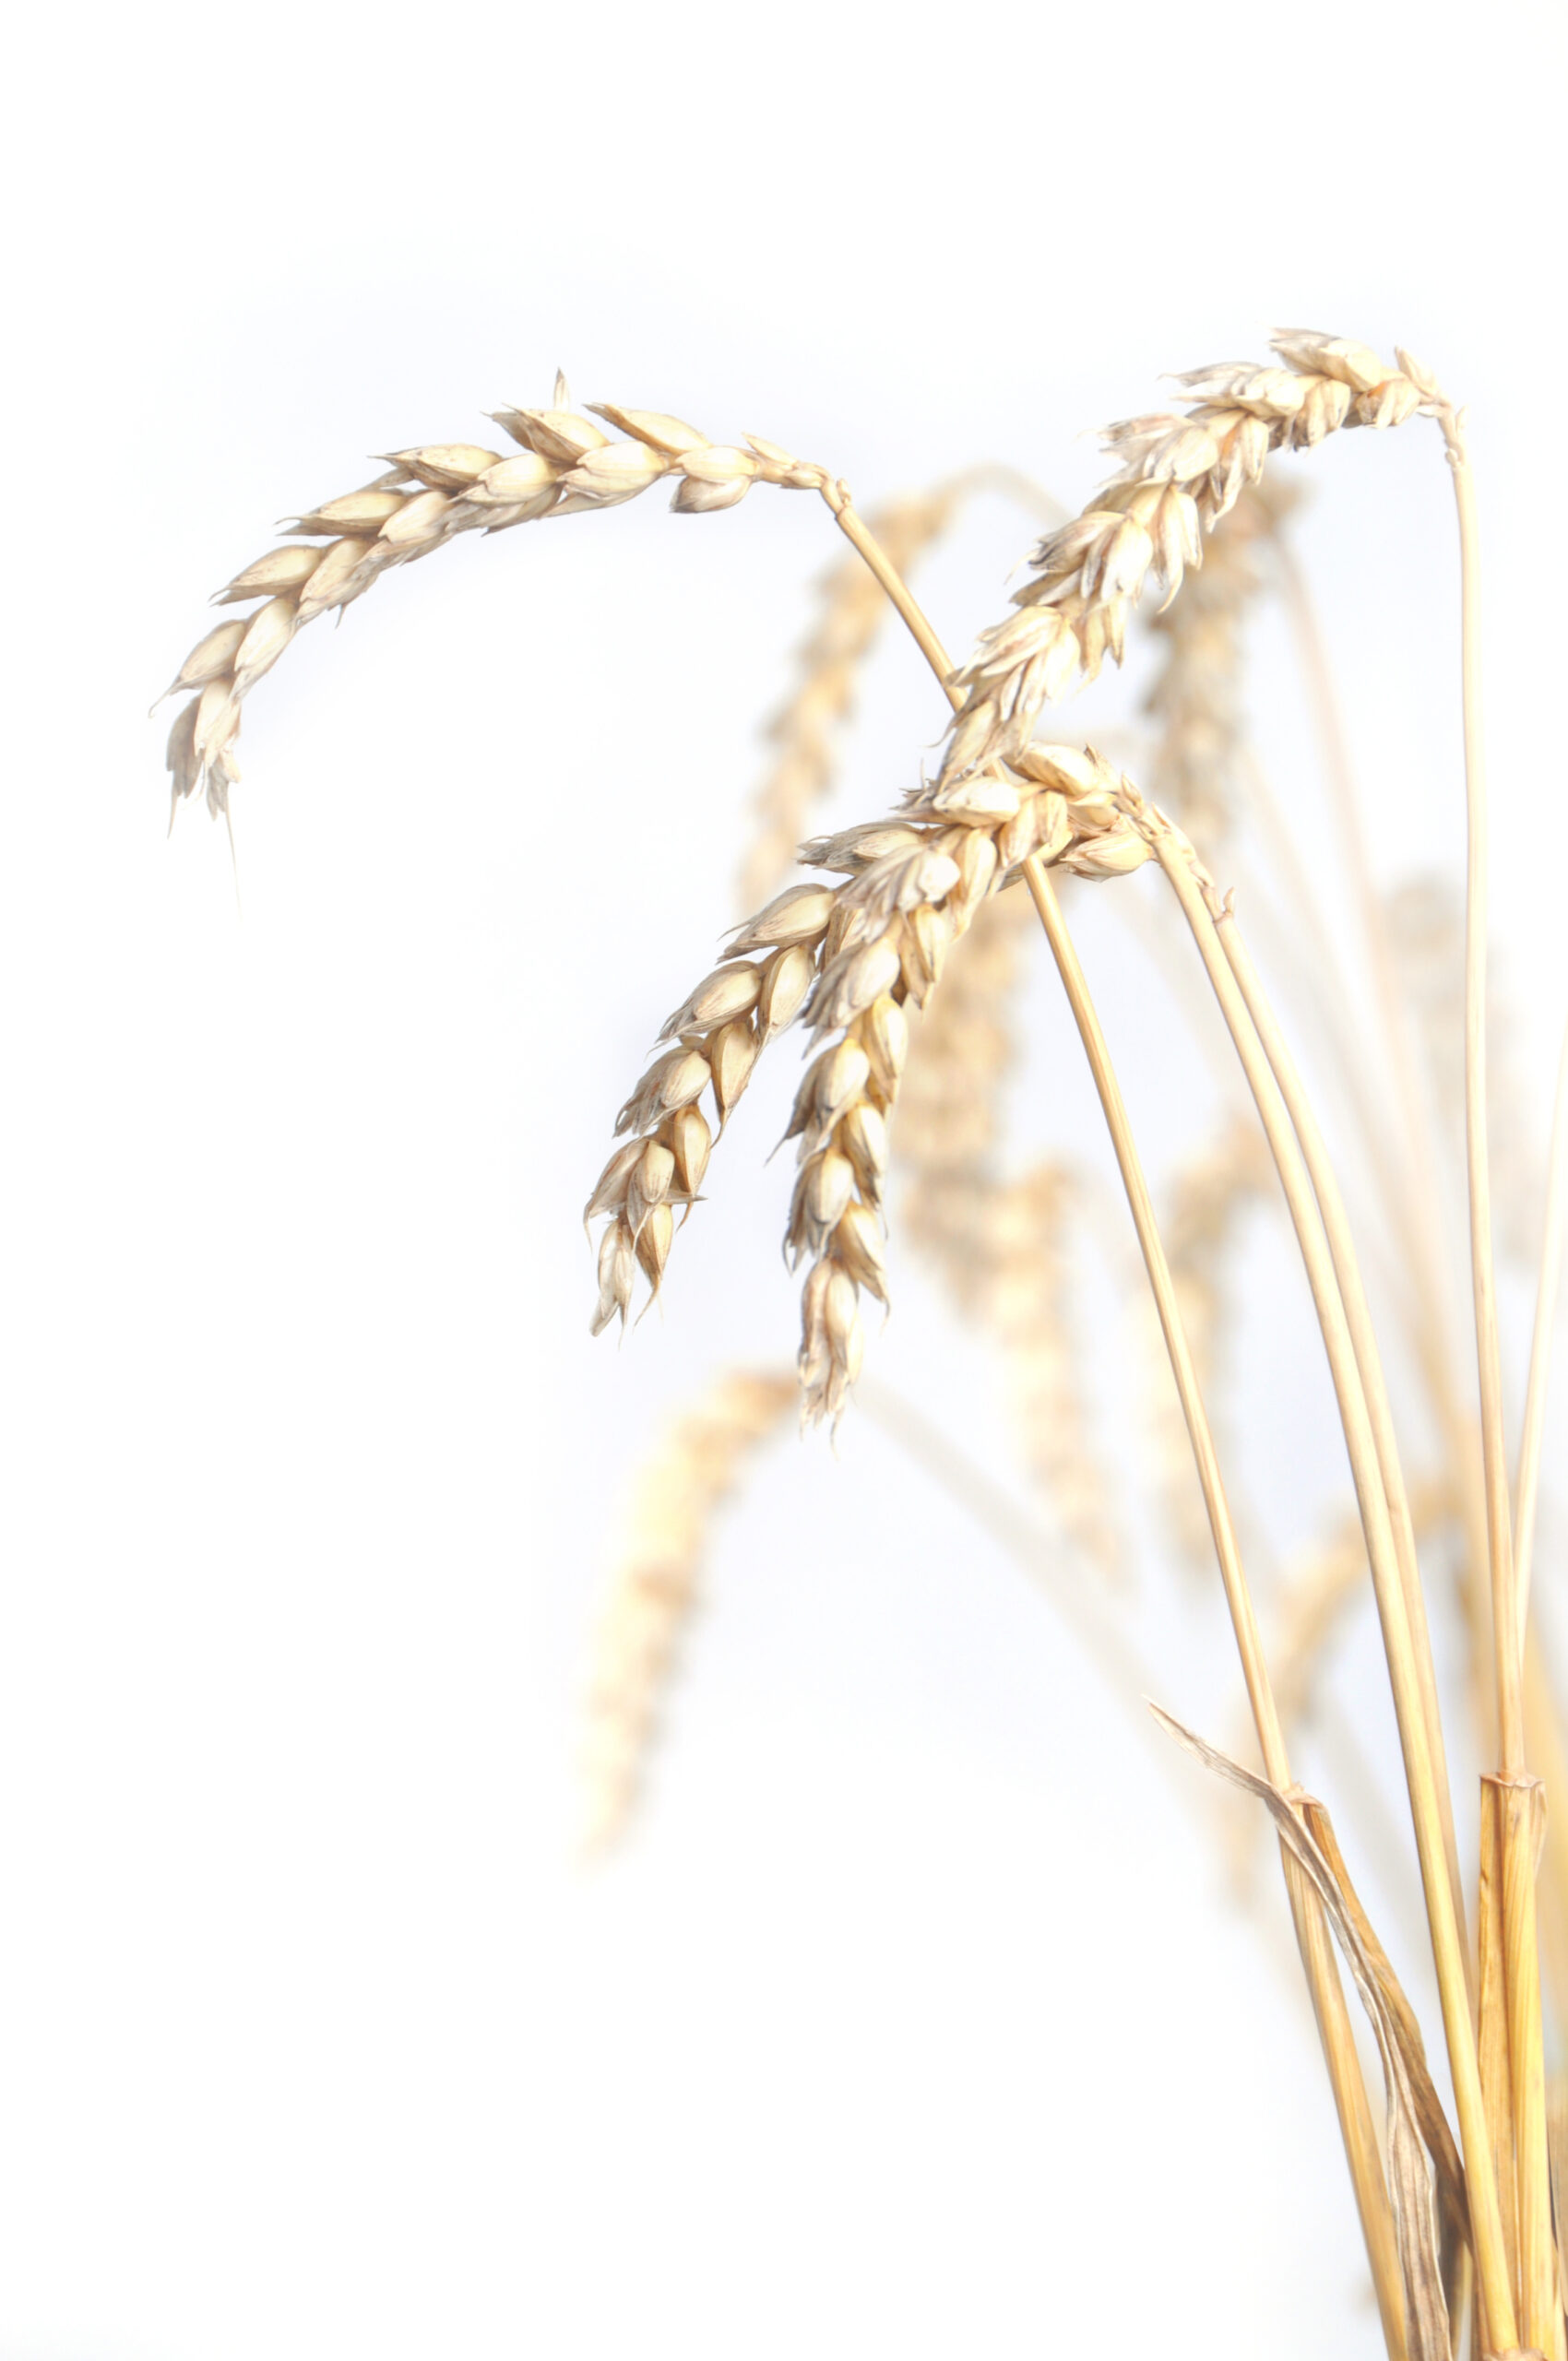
(1175, 475)
(428, 496)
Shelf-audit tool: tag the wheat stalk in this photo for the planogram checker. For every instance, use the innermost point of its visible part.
(848, 959)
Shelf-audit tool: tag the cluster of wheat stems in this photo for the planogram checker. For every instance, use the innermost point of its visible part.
(900, 958)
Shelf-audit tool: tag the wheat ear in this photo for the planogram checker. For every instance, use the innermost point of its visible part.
(1176, 475)
(849, 959)
(425, 498)
(679, 1491)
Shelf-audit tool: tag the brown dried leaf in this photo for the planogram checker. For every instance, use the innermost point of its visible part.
(1410, 2170)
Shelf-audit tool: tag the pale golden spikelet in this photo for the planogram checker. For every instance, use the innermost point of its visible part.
(856, 955)
(427, 495)
(1207, 1201)
(1175, 475)
(653, 1590)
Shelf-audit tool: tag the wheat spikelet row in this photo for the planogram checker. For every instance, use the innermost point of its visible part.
(846, 959)
(1176, 474)
(428, 496)
(654, 1587)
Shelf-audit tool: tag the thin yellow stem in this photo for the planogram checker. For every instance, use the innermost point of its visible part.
(1328, 1999)
(1423, 1219)
(1443, 1911)
(1312, 1931)
(1505, 1604)
(854, 528)
(1364, 1346)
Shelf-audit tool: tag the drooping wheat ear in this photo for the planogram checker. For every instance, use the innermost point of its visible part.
(1002, 1246)
(1197, 764)
(1208, 1198)
(426, 497)
(847, 958)
(654, 1588)
(1176, 474)
(853, 608)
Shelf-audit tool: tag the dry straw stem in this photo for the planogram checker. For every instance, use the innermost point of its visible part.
(1362, 1337)
(1512, 2066)
(1510, 1702)
(954, 794)
(1420, 1220)
(1328, 2000)
(1430, 1813)
(652, 1592)
(1045, 809)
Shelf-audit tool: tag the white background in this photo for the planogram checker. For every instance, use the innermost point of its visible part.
(920, 2018)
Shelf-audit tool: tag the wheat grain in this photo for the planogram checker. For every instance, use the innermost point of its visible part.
(426, 497)
(654, 1588)
(1176, 474)
(857, 955)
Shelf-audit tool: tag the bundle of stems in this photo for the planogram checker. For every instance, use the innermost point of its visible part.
(1460, 2225)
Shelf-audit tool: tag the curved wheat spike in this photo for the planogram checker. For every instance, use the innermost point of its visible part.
(679, 1491)
(1199, 766)
(429, 494)
(1209, 1197)
(1176, 475)
(852, 610)
(849, 959)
